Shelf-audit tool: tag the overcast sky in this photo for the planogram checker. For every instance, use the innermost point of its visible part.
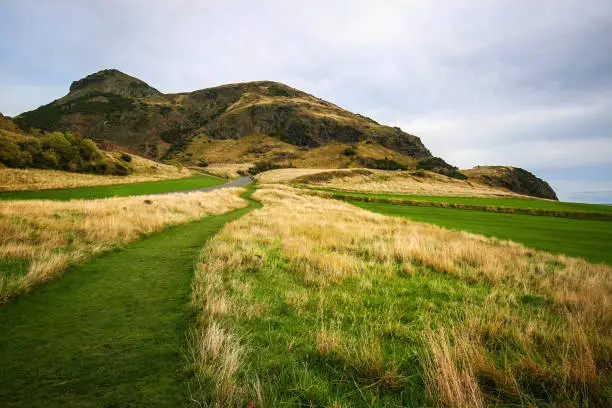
(522, 83)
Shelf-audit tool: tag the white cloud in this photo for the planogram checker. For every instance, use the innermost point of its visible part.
(506, 82)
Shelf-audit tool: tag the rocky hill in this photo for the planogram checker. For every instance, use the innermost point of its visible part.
(266, 124)
(112, 106)
(512, 178)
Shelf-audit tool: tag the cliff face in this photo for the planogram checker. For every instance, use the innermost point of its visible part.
(512, 178)
(113, 106)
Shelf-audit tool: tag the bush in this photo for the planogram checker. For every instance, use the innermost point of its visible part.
(126, 157)
(203, 163)
(59, 151)
(260, 167)
(349, 151)
(438, 165)
(380, 164)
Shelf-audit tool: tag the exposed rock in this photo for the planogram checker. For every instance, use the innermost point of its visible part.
(512, 178)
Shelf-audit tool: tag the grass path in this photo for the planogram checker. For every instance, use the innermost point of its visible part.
(589, 239)
(110, 333)
(117, 190)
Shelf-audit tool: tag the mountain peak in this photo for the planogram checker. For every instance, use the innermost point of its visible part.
(113, 81)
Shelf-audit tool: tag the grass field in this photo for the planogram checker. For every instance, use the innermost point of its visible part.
(522, 203)
(110, 333)
(314, 302)
(118, 190)
(589, 239)
(39, 239)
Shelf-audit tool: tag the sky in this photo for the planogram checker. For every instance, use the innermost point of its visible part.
(520, 82)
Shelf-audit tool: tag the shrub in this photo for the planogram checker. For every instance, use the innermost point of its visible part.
(349, 151)
(438, 165)
(203, 163)
(381, 164)
(126, 157)
(262, 166)
(59, 151)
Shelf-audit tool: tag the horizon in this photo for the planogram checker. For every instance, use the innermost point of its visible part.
(510, 84)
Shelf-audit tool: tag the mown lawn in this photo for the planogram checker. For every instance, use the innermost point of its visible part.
(589, 239)
(110, 333)
(119, 190)
(523, 203)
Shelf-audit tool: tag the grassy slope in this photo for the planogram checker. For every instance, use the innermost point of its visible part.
(109, 333)
(118, 190)
(588, 239)
(330, 306)
(527, 203)
(283, 340)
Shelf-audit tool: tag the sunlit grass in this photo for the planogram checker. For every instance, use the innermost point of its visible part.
(50, 235)
(329, 305)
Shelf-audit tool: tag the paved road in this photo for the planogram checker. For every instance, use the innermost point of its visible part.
(239, 182)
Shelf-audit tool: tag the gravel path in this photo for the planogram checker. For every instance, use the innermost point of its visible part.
(239, 182)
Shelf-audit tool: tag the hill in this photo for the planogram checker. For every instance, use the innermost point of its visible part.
(512, 178)
(263, 123)
(285, 122)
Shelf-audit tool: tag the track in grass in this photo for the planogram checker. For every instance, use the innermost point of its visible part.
(118, 190)
(110, 333)
(589, 239)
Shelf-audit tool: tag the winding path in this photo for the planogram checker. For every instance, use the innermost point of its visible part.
(111, 332)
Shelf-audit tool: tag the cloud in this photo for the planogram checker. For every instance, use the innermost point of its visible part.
(479, 81)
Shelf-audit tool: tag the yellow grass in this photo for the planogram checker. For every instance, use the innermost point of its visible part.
(383, 181)
(36, 179)
(227, 169)
(257, 148)
(51, 234)
(325, 242)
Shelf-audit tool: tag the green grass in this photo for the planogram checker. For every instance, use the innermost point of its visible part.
(589, 239)
(118, 190)
(378, 316)
(109, 333)
(281, 341)
(522, 203)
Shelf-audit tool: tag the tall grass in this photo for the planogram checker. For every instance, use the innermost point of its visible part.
(51, 235)
(523, 327)
(383, 181)
(37, 179)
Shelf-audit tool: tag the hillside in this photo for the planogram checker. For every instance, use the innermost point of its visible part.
(112, 106)
(58, 151)
(512, 178)
(263, 124)
(418, 182)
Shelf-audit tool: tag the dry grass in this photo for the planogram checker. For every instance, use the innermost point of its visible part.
(50, 235)
(562, 349)
(256, 148)
(449, 371)
(217, 353)
(227, 169)
(36, 179)
(383, 181)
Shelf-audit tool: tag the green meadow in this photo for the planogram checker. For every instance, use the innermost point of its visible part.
(589, 239)
(117, 190)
